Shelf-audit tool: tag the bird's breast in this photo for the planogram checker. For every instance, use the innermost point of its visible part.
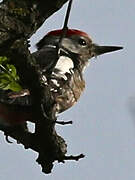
(66, 88)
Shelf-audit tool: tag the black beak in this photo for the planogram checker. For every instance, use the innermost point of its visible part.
(98, 50)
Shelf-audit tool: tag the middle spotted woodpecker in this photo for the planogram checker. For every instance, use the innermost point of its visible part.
(62, 68)
(66, 73)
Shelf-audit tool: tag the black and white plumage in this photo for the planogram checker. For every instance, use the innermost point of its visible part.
(61, 76)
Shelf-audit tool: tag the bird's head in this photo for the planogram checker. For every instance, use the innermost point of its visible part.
(77, 42)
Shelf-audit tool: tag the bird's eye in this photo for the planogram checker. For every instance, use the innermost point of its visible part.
(82, 42)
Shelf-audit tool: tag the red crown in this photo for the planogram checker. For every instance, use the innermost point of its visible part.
(69, 32)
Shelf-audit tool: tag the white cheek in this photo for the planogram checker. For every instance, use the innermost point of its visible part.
(64, 64)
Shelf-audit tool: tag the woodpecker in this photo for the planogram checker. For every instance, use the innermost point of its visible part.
(62, 64)
(66, 74)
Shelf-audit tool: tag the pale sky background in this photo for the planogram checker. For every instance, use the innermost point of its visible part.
(104, 122)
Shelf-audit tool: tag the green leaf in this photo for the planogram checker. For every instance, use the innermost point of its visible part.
(9, 80)
(3, 59)
(13, 86)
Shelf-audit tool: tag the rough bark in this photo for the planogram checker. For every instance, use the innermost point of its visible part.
(19, 19)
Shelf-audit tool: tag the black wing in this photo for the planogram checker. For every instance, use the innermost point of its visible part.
(47, 58)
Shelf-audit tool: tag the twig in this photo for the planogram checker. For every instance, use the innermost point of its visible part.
(76, 158)
(63, 122)
(65, 26)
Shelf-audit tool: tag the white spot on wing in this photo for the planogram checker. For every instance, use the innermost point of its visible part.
(55, 82)
(43, 78)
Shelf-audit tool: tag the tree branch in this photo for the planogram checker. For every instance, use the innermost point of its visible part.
(18, 21)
